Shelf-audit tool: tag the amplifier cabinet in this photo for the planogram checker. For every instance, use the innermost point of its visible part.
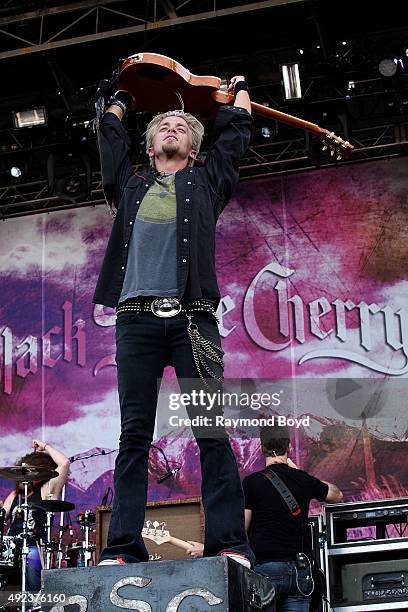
(184, 519)
(317, 538)
(375, 582)
(366, 564)
(377, 514)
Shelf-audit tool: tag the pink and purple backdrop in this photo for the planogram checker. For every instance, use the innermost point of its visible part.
(334, 241)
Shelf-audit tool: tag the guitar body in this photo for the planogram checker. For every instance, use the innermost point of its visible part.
(154, 79)
(159, 84)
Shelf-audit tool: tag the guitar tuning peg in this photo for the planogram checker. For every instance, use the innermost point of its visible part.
(148, 524)
(156, 524)
(332, 152)
(324, 148)
(339, 157)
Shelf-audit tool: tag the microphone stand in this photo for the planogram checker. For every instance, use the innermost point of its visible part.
(62, 515)
(61, 530)
(169, 473)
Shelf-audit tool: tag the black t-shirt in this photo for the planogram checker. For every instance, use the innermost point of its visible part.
(275, 534)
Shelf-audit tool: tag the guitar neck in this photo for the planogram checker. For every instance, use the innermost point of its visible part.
(179, 543)
(284, 118)
(221, 97)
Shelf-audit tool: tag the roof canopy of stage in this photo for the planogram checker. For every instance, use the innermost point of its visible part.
(53, 53)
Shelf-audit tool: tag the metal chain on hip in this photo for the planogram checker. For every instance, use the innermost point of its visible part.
(204, 349)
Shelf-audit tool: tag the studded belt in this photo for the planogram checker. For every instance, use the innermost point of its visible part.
(165, 306)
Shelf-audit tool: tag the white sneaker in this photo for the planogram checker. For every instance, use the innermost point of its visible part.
(118, 561)
(238, 558)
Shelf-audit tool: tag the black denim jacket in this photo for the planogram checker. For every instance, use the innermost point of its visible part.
(202, 193)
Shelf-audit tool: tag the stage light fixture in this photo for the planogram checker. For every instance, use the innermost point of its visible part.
(291, 81)
(15, 171)
(69, 175)
(388, 67)
(30, 118)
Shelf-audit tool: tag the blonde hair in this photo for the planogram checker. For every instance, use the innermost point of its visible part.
(195, 126)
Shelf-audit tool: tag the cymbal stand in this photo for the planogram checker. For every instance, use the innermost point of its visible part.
(24, 550)
(2, 519)
(3, 580)
(49, 545)
(61, 530)
(87, 546)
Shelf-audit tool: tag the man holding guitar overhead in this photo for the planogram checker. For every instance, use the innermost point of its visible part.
(159, 274)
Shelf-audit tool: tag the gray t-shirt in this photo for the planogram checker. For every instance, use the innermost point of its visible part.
(151, 265)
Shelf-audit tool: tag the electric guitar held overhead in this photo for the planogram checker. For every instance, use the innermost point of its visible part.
(159, 83)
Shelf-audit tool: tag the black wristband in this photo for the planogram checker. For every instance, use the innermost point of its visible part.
(123, 99)
(241, 86)
(114, 102)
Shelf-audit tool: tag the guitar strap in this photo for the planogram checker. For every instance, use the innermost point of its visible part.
(283, 491)
(319, 589)
(290, 501)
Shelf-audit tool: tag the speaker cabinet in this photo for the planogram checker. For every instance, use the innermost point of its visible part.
(184, 519)
(375, 582)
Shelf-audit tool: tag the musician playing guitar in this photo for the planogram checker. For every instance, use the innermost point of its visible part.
(279, 536)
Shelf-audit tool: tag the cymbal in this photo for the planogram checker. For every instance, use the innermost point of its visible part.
(53, 505)
(27, 473)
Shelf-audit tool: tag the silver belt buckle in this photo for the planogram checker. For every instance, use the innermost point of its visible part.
(165, 307)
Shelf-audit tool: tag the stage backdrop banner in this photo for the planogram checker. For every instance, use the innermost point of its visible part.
(313, 275)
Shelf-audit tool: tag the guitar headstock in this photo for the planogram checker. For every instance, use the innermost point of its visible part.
(156, 532)
(338, 147)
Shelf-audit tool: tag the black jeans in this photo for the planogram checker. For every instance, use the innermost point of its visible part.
(145, 344)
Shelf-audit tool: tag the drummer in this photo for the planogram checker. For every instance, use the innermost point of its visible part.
(44, 457)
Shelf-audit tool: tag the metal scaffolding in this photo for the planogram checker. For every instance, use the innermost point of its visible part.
(269, 159)
(339, 92)
(90, 21)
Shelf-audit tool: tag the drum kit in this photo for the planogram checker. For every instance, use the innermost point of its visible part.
(14, 549)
